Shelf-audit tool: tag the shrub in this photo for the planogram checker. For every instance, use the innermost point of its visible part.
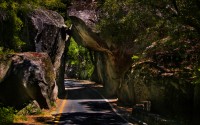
(6, 115)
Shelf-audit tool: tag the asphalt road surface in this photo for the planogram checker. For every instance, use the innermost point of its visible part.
(84, 105)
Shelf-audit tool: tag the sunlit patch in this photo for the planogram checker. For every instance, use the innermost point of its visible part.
(74, 88)
(56, 121)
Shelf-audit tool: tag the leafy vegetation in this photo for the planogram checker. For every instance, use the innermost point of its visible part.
(11, 14)
(168, 30)
(30, 109)
(6, 115)
(79, 61)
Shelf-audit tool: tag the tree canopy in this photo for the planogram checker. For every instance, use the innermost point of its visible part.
(168, 28)
(127, 20)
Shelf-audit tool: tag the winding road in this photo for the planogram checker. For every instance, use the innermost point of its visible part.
(84, 105)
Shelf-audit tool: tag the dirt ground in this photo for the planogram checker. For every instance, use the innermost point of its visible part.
(40, 119)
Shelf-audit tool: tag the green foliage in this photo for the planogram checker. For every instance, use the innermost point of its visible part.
(134, 57)
(11, 26)
(30, 109)
(12, 15)
(20, 118)
(6, 115)
(126, 20)
(7, 51)
(168, 30)
(148, 21)
(53, 104)
(79, 57)
(73, 52)
(55, 5)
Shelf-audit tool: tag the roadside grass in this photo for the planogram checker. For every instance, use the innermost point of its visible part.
(30, 114)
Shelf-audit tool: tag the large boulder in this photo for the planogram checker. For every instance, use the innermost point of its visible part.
(25, 77)
(45, 31)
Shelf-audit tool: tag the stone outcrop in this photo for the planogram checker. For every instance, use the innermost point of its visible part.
(85, 10)
(111, 61)
(45, 31)
(25, 77)
(104, 60)
(113, 68)
(84, 18)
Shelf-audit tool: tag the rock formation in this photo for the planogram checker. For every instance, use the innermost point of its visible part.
(111, 61)
(25, 77)
(45, 31)
(132, 82)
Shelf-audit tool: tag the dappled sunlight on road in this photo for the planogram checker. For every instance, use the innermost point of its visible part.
(84, 105)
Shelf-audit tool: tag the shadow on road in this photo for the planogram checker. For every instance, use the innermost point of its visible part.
(80, 118)
(94, 110)
(83, 104)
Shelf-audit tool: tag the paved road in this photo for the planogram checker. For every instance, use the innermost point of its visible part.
(84, 105)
